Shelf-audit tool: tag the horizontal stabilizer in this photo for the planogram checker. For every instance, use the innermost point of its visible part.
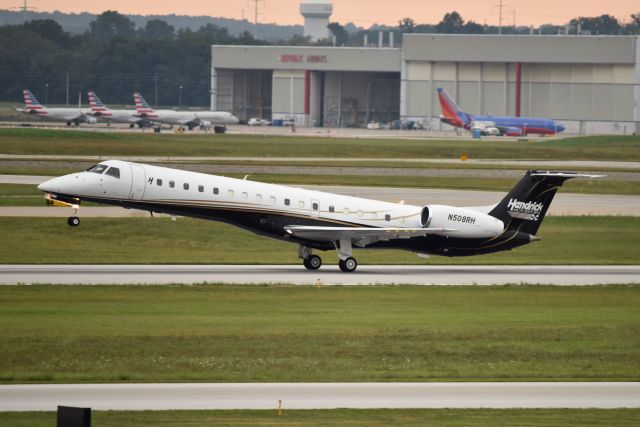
(568, 175)
(331, 234)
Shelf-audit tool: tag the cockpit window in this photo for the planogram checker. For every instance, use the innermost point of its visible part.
(114, 172)
(97, 168)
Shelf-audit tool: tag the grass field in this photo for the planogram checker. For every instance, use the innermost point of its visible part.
(344, 417)
(37, 141)
(565, 240)
(247, 333)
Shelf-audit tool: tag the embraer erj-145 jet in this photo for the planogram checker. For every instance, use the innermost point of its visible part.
(68, 115)
(104, 113)
(510, 126)
(203, 119)
(313, 219)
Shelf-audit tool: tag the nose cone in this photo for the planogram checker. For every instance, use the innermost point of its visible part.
(67, 184)
(560, 128)
(234, 120)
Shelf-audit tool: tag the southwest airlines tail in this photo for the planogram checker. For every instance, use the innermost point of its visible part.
(98, 108)
(142, 107)
(32, 105)
(451, 113)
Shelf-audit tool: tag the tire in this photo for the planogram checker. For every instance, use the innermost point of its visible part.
(348, 265)
(313, 262)
(73, 221)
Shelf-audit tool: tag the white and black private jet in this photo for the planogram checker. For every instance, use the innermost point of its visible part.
(314, 219)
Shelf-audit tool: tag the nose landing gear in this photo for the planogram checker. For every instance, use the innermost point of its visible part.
(74, 220)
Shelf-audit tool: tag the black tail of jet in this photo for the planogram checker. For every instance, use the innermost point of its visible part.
(524, 208)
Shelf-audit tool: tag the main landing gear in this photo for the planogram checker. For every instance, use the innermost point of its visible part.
(347, 262)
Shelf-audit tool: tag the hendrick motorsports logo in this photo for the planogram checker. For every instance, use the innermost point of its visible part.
(524, 210)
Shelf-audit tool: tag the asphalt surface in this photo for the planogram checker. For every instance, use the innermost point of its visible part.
(563, 203)
(524, 164)
(46, 397)
(327, 275)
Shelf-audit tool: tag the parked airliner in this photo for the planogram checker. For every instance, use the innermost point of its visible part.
(510, 126)
(64, 114)
(316, 220)
(106, 114)
(189, 119)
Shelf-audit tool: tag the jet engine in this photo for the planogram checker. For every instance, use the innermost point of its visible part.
(205, 124)
(91, 120)
(467, 223)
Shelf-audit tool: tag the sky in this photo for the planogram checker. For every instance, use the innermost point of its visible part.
(360, 12)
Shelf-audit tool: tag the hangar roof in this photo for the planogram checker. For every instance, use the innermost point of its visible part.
(526, 48)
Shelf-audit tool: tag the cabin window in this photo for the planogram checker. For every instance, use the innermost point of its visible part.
(185, 186)
(272, 200)
(314, 206)
(259, 197)
(332, 209)
(245, 195)
(230, 194)
(172, 184)
(287, 202)
(97, 168)
(387, 217)
(159, 182)
(114, 172)
(215, 190)
(301, 204)
(201, 188)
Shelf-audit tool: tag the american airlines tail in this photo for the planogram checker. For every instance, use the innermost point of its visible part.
(98, 108)
(32, 105)
(451, 113)
(142, 107)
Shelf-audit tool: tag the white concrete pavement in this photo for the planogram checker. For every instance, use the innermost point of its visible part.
(46, 397)
(328, 275)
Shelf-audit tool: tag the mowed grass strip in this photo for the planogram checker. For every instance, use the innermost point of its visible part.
(565, 240)
(37, 141)
(343, 417)
(248, 333)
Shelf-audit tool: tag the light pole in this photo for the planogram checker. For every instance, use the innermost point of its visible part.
(46, 94)
(180, 97)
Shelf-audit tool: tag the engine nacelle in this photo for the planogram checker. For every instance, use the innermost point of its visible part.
(467, 223)
(205, 124)
(91, 120)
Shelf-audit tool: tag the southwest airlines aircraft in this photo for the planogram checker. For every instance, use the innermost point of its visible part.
(315, 220)
(510, 126)
(68, 115)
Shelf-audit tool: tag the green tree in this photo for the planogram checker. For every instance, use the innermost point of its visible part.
(603, 24)
(111, 24)
(407, 25)
(452, 23)
(340, 33)
(158, 29)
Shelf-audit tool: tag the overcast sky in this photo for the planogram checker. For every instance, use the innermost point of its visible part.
(360, 12)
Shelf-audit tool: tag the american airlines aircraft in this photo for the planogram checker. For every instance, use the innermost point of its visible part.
(510, 126)
(190, 119)
(104, 113)
(316, 220)
(68, 115)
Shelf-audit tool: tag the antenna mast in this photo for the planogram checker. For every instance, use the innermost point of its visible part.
(500, 6)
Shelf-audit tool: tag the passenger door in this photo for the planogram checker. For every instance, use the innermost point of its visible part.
(138, 180)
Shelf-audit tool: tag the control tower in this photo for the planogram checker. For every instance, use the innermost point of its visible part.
(316, 17)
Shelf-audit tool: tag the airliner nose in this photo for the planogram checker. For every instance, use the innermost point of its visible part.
(66, 184)
(235, 120)
(560, 128)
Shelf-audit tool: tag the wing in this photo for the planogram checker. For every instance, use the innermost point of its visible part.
(361, 236)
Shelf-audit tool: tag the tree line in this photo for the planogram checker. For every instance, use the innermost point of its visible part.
(114, 58)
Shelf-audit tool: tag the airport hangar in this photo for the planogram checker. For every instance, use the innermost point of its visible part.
(589, 83)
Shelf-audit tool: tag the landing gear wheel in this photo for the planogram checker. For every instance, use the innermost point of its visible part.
(73, 221)
(312, 262)
(348, 265)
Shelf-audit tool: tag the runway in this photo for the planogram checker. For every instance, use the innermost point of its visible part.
(46, 397)
(563, 203)
(327, 275)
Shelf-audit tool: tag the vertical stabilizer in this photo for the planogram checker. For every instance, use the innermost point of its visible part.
(97, 106)
(31, 103)
(451, 113)
(142, 107)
